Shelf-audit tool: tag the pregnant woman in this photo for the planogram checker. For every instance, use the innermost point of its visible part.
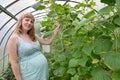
(27, 61)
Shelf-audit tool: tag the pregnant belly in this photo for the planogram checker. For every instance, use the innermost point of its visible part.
(33, 64)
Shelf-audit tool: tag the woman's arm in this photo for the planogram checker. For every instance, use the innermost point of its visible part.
(49, 41)
(12, 51)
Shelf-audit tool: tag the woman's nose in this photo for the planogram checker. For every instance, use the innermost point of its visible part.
(29, 22)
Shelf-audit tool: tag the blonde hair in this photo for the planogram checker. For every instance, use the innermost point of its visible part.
(18, 28)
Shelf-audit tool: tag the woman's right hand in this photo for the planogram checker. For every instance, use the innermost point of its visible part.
(57, 29)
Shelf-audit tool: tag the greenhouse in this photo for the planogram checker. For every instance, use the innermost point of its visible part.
(79, 39)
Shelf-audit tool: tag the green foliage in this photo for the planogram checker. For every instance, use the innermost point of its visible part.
(116, 75)
(39, 6)
(82, 49)
(89, 14)
(8, 74)
(99, 74)
(118, 5)
(117, 21)
(88, 46)
(102, 45)
(106, 10)
(109, 2)
(111, 60)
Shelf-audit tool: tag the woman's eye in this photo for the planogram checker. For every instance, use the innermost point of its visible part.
(26, 20)
(31, 21)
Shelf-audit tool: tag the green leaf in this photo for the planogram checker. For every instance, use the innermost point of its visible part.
(105, 10)
(116, 75)
(76, 54)
(95, 61)
(102, 45)
(83, 22)
(61, 57)
(59, 47)
(87, 48)
(111, 60)
(109, 26)
(118, 5)
(117, 20)
(51, 14)
(73, 16)
(52, 1)
(93, 3)
(82, 71)
(80, 5)
(55, 65)
(59, 8)
(117, 42)
(71, 71)
(75, 22)
(45, 23)
(38, 6)
(73, 62)
(109, 2)
(76, 77)
(59, 71)
(99, 74)
(89, 14)
(41, 7)
(69, 32)
(83, 61)
(77, 42)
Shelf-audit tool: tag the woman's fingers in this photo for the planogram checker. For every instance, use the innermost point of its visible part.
(57, 29)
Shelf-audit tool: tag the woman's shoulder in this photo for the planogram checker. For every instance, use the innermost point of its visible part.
(13, 37)
(13, 40)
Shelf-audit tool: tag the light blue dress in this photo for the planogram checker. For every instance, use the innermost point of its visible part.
(33, 64)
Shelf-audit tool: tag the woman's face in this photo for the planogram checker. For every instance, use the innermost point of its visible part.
(27, 24)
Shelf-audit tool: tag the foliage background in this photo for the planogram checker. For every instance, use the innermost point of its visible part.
(88, 46)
